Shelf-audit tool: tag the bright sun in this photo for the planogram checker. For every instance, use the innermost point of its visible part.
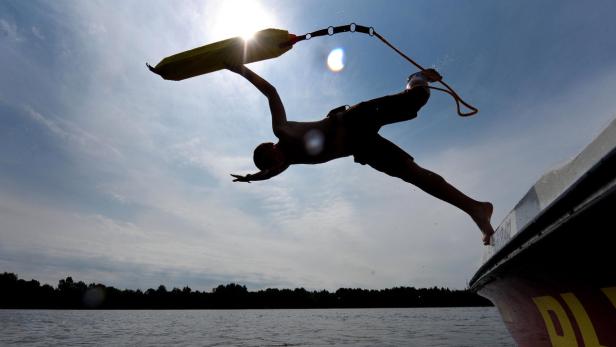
(241, 18)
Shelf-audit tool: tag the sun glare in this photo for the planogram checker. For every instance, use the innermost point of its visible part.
(241, 18)
(247, 36)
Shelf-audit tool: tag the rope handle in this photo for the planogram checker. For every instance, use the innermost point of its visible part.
(331, 30)
(449, 90)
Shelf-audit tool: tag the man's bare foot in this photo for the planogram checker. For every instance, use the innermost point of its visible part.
(481, 215)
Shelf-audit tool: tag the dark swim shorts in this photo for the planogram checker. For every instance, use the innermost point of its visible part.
(379, 152)
(364, 120)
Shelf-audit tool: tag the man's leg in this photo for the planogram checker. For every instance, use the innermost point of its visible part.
(392, 160)
(391, 108)
(402, 106)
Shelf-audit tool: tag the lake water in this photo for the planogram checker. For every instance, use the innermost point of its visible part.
(331, 327)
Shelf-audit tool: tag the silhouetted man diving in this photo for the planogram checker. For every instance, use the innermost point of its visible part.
(354, 131)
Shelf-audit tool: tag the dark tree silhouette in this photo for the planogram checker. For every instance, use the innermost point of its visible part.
(18, 293)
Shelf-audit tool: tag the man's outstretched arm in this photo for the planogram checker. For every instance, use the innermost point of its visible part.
(279, 116)
(261, 175)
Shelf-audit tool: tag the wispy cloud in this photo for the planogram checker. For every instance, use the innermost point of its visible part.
(74, 136)
(37, 33)
(9, 31)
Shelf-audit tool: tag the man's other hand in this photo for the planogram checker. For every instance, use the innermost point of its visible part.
(240, 178)
(432, 75)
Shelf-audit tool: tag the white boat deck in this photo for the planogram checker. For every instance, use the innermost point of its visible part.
(549, 187)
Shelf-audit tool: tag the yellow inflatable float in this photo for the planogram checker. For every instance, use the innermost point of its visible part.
(265, 44)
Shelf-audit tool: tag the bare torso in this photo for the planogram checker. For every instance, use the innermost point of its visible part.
(314, 142)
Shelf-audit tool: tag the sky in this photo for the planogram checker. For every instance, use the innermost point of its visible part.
(110, 174)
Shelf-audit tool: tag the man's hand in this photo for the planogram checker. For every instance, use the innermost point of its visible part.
(432, 75)
(240, 178)
(237, 68)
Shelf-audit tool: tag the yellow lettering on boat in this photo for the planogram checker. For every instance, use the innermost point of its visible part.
(547, 304)
(581, 317)
(610, 292)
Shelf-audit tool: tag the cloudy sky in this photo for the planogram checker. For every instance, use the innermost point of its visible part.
(110, 174)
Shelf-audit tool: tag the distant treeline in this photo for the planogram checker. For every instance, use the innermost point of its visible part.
(18, 293)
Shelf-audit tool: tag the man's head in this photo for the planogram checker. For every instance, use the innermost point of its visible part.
(267, 156)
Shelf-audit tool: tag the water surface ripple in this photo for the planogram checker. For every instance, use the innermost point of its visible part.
(331, 327)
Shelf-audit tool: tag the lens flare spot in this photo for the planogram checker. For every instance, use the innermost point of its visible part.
(314, 141)
(335, 60)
